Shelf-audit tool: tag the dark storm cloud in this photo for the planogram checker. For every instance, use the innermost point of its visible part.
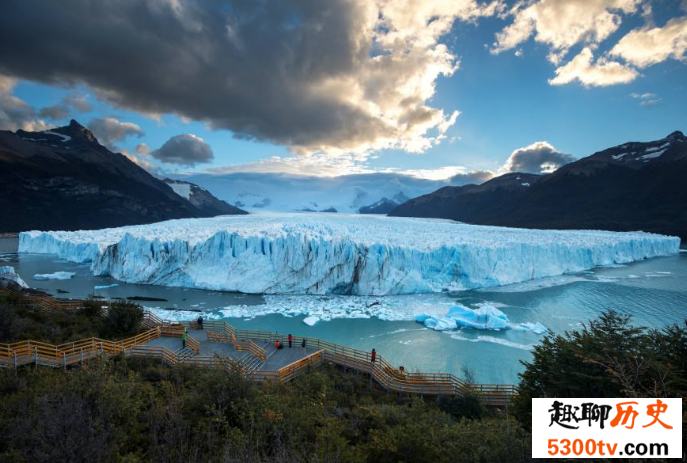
(294, 72)
(185, 149)
(241, 65)
(537, 158)
(109, 131)
(476, 177)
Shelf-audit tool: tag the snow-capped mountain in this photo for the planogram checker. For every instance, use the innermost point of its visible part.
(63, 179)
(202, 198)
(384, 205)
(260, 192)
(633, 186)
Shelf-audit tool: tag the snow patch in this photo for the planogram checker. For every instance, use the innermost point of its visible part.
(655, 155)
(182, 189)
(65, 138)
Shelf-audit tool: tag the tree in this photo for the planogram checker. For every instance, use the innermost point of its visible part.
(608, 357)
(122, 319)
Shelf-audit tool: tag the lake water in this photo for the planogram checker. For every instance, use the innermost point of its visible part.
(654, 292)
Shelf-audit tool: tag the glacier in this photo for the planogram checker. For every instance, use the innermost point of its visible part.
(339, 254)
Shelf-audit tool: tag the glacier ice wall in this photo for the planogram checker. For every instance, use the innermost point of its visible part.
(339, 254)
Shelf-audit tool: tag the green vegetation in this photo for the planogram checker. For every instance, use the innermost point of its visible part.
(138, 410)
(608, 357)
(18, 322)
(129, 410)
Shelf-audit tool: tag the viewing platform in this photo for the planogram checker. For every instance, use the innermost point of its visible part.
(250, 352)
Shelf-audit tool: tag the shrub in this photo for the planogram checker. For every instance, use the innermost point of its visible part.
(122, 319)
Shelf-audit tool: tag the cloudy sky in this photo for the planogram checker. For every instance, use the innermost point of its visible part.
(433, 89)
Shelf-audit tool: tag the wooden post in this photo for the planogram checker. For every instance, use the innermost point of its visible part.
(35, 356)
(64, 361)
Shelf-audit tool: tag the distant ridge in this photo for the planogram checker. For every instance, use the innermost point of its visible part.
(633, 186)
(63, 179)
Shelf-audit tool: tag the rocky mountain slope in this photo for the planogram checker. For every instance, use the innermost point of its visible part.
(633, 186)
(63, 179)
(202, 198)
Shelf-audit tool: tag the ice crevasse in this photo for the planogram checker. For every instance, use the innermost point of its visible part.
(339, 254)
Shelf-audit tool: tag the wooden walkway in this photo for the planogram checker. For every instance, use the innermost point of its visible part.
(252, 352)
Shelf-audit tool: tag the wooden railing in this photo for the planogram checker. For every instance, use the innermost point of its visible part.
(253, 348)
(292, 370)
(40, 353)
(192, 344)
(383, 372)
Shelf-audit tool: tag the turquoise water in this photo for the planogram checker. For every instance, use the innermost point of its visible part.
(654, 292)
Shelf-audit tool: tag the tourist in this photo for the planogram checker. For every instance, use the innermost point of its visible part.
(200, 322)
(290, 340)
(303, 346)
(276, 343)
(183, 339)
(373, 356)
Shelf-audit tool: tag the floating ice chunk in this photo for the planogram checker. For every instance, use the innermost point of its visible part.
(536, 328)
(106, 286)
(311, 320)
(54, 276)
(486, 317)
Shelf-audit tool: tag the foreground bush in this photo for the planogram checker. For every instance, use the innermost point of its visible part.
(140, 410)
(608, 357)
(18, 322)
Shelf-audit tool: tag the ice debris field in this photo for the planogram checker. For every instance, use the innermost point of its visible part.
(339, 254)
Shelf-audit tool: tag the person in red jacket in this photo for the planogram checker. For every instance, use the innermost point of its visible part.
(373, 356)
(290, 340)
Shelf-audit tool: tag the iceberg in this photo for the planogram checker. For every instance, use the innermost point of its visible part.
(486, 317)
(10, 279)
(54, 276)
(339, 254)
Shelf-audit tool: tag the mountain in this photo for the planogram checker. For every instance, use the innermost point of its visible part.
(634, 186)
(63, 179)
(202, 198)
(281, 192)
(384, 205)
